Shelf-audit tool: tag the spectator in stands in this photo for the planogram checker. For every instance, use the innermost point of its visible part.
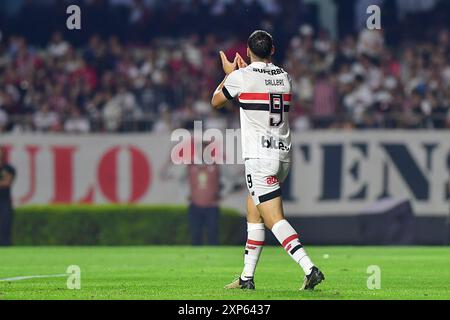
(164, 124)
(46, 120)
(325, 101)
(359, 100)
(112, 113)
(371, 44)
(76, 123)
(58, 47)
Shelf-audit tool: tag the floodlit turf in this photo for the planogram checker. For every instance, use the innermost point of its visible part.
(191, 273)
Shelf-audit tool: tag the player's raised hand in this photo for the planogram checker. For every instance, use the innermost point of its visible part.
(228, 67)
(241, 62)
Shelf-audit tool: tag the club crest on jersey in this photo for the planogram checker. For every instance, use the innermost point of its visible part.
(271, 143)
(272, 180)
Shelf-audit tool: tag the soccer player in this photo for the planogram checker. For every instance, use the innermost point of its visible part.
(264, 94)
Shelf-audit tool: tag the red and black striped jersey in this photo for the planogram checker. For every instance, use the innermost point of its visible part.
(264, 94)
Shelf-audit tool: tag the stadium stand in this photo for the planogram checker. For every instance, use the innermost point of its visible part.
(142, 78)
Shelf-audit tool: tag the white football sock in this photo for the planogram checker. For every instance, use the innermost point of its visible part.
(253, 248)
(288, 238)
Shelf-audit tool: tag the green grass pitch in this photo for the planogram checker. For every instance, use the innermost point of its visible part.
(200, 273)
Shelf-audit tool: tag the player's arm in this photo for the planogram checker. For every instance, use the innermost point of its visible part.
(219, 99)
(229, 83)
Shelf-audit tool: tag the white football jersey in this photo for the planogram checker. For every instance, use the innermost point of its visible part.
(264, 94)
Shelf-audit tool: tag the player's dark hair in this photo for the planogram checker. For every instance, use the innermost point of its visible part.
(260, 43)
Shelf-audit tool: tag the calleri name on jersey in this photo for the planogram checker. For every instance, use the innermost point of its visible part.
(264, 93)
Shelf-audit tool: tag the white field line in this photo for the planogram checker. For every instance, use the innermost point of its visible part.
(33, 277)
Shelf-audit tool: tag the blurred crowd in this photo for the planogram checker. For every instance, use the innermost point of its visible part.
(361, 83)
(107, 86)
(165, 82)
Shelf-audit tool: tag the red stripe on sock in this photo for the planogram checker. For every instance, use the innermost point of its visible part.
(255, 243)
(289, 239)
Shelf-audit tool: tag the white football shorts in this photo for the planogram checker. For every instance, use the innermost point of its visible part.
(264, 177)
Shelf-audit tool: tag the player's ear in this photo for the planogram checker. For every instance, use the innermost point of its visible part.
(248, 53)
(272, 52)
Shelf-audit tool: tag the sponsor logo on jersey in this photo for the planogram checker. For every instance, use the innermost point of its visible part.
(273, 72)
(271, 143)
